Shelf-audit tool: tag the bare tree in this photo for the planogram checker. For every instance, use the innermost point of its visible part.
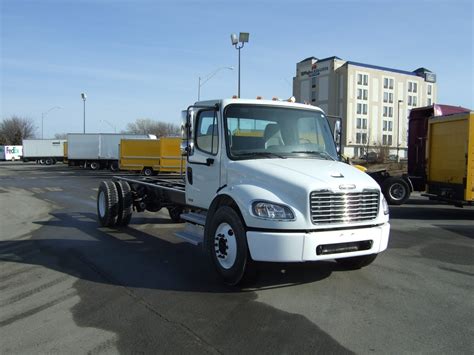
(148, 126)
(60, 135)
(14, 129)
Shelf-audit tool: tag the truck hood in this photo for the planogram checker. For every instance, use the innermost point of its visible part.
(300, 174)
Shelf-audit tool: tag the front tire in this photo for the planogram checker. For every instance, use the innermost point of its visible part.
(396, 191)
(357, 262)
(107, 204)
(226, 244)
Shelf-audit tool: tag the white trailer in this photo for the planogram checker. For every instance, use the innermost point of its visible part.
(43, 151)
(263, 182)
(11, 152)
(97, 150)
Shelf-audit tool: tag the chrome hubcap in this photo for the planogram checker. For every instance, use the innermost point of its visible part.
(397, 191)
(225, 246)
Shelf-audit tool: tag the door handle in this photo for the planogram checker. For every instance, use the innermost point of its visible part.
(209, 161)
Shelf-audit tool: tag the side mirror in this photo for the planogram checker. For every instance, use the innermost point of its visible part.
(187, 145)
(338, 135)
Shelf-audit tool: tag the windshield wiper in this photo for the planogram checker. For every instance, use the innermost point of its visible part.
(316, 152)
(260, 154)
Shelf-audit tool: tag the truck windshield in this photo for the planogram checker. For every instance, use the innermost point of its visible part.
(255, 132)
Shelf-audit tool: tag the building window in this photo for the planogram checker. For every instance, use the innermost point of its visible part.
(390, 112)
(366, 94)
(385, 83)
(364, 123)
(385, 96)
(409, 103)
(385, 111)
(358, 135)
(364, 138)
(366, 79)
(313, 82)
(359, 123)
(390, 128)
(415, 87)
(387, 139)
(359, 94)
(385, 125)
(414, 100)
(313, 95)
(364, 108)
(391, 83)
(429, 89)
(359, 108)
(359, 79)
(429, 102)
(390, 98)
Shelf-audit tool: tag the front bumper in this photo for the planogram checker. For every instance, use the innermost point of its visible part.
(300, 247)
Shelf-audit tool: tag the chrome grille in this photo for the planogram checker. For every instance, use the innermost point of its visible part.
(343, 207)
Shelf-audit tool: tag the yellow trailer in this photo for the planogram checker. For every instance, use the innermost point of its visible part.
(450, 157)
(151, 156)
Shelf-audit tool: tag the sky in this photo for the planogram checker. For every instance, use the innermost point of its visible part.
(143, 58)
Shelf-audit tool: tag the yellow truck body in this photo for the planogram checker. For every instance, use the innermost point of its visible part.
(450, 156)
(65, 151)
(161, 155)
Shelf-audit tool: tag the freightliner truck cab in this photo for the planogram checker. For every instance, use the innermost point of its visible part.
(263, 182)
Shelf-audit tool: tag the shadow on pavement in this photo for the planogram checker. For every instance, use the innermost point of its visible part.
(170, 298)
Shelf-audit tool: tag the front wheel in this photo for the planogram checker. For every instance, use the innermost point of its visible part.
(226, 244)
(396, 191)
(356, 262)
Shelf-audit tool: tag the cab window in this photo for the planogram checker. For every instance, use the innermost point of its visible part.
(207, 136)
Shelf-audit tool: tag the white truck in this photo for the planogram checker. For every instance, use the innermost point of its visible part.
(263, 182)
(43, 151)
(11, 152)
(97, 150)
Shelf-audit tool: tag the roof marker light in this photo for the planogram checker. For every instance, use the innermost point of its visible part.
(235, 97)
(292, 99)
(274, 98)
(259, 98)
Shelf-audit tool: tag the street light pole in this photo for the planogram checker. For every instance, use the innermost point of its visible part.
(398, 130)
(239, 44)
(84, 97)
(202, 81)
(43, 114)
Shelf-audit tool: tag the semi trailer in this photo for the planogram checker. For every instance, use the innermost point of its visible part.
(263, 182)
(43, 151)
(97, 150)
(151, 156)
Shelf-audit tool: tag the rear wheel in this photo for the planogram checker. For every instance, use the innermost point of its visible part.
(114, 166)
(107, 204)
(356, 262)
(396, 190)
(95, 165)
(48, 161)
(226, 244)
(125, 204)
(147, 171)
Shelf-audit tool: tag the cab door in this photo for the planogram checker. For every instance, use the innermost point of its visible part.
(203, 165)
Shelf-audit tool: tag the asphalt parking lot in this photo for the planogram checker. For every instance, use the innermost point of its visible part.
(68, 286)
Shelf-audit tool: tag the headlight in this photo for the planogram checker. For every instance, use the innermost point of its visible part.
(384, 205)
(270, 210)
